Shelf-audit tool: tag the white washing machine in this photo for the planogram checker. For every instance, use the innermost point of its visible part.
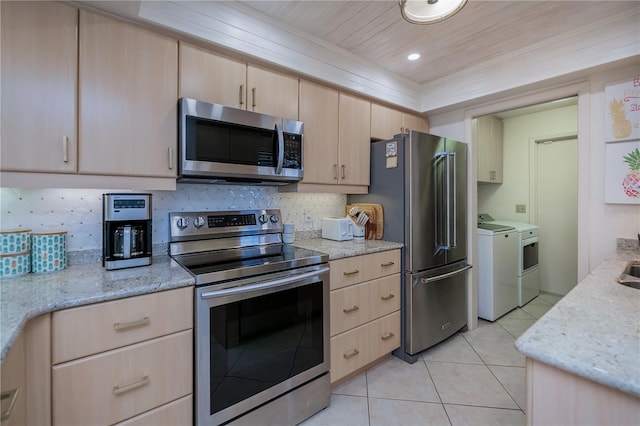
(528, 269)
(497, 270)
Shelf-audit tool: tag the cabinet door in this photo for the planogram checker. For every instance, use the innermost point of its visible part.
(354, 140)
(489, 139)
(272, 93)
(385, 122)
(39, 80)
(211, 78)
(128, 99)
(14, 384)
(319, 112)
(414, 122)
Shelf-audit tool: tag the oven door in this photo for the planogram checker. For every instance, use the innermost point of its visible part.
(529, 255)
(259, 338)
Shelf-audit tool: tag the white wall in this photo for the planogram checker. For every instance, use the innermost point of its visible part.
(79, 211)
(599, 223)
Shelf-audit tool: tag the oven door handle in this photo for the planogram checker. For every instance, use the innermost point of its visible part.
(288, 281)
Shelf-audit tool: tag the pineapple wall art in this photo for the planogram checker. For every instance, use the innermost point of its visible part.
(622, 172)
(622, 115)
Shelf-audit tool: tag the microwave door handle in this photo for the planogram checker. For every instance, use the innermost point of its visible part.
(280, 149)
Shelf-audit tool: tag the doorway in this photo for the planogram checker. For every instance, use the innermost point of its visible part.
(554, 208)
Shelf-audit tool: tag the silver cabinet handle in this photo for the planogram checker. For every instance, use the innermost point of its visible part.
(65, 149)
(346, 274)
(242, 94)
(170, 158)
(126, 325)
(349, 310)
(389, 297)
(387, 336)
(253, 96)
(335, 171)
(384, 265)
(9, 397)
(351, 354)
(119, 390)
(344, 175)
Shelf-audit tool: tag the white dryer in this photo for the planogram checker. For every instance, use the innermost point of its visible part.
(528, 244)
(497, 270)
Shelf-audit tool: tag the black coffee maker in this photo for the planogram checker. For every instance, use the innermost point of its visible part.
(126, 230)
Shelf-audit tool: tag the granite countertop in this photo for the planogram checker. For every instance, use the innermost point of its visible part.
(30, 295)
(594, 331)
(341, 249)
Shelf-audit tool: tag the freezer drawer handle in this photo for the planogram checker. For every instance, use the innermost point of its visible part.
(346, 274)
(389, 297)
(348, 311)
(387, 336)
(351, 354)
(442, 277)
(384, 265)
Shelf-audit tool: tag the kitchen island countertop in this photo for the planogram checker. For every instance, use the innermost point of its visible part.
(30, 295)
(593, 331)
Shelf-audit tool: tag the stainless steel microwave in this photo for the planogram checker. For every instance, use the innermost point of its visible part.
(220, 144)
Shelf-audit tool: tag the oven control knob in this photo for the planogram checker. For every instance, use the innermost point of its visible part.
(182, 222)
(263, 218)
(274, 218)
(198, 222)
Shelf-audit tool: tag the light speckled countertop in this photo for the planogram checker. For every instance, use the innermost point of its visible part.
(594, 331)
(340, 249)
(30, 295)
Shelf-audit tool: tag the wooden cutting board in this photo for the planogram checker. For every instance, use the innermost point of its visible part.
(374, 229)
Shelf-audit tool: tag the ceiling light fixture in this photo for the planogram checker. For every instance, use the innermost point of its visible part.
(429, 11)
(413, 56)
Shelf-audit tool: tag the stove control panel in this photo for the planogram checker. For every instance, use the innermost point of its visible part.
(217, 224)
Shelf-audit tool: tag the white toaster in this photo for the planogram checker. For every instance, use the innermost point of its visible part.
(337, 228)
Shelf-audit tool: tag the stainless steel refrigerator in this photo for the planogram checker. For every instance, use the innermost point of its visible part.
(421, 182)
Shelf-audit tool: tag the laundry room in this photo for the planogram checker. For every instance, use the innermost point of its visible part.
(528, 174)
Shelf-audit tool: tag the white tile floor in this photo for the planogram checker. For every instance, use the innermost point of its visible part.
(473, 378)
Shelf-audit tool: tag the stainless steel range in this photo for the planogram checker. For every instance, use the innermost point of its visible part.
(261, 318)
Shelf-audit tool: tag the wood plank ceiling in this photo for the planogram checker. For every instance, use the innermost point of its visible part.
(483, 30)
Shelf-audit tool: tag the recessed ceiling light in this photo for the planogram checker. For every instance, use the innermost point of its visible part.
(413, 56)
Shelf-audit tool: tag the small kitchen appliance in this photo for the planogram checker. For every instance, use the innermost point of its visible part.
(337, 228)
(126, 230)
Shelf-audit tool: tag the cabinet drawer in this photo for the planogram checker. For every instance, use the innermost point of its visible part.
(357, 269)
(88, 330)
(355, 305)
(174, 413)
(119, 384)
(356, 348)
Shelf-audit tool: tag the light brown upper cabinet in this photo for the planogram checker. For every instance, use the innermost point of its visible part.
(209, 77)
(354, 135)
(387, 122)
(39, 80)
(319, 112)
(489, 138)
(128, 95)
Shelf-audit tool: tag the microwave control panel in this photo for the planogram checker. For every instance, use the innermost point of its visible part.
(292, 151)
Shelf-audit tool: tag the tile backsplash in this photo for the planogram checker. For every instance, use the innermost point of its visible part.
(79, 211)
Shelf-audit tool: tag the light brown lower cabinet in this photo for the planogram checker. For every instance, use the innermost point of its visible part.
(558, 397)
(176, 413)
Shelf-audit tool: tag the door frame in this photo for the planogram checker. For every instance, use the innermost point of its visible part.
(579, 89)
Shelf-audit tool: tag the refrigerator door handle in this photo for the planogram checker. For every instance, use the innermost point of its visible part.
(453, 230)
(439, 181)
(445, 276)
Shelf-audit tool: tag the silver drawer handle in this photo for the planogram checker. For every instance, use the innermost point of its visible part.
(11, 396)
(346, 274)
(348, 311)
(387, 336)
(126, 325)
(119, 390)
(351, 354)
(389, 297)
(384, 265)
